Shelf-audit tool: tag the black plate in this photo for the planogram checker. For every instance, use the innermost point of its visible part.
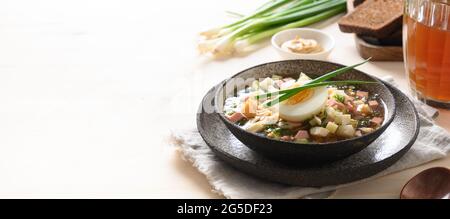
(379, 155)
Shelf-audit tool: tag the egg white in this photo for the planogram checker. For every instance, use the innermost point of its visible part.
(306, 109)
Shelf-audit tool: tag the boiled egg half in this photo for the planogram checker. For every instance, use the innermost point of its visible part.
(304, 105)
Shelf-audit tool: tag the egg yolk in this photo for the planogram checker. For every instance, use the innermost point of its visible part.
(300, 97)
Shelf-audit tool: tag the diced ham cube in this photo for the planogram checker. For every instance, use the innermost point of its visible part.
(373, 103)
(302, 134)
(377, 120)
(235, 117)
(362, 94)
(349, 99)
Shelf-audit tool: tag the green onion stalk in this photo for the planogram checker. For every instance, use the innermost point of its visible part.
(265, 22)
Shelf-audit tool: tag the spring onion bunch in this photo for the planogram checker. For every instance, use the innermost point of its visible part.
(270, 18)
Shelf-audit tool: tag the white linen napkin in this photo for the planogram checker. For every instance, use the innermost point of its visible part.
(432, 143)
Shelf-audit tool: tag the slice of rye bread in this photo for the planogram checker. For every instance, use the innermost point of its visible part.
(395, 39)
(376, 18)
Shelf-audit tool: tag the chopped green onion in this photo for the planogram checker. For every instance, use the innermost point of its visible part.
(269, 19)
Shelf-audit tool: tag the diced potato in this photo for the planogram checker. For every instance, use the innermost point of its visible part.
(276, 77)
(343, 119)
(265, 83)
(315, 121)
(332, 127)
(338, 113)
(272, 89)
(354, 123)
(303, 77)
(270, 120)
(331, 112)
(255, 127)
(346, 131)
(319, 131)
(366, 130)
(255, 85)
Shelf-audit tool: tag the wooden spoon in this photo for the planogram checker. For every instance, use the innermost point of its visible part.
(433, 183)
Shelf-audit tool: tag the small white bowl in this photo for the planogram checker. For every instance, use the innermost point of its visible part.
(325, 40)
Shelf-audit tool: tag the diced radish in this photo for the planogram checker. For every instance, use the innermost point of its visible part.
(377, 120)
(373, 103)
(362, 94)
(235, 117)
(302, 134)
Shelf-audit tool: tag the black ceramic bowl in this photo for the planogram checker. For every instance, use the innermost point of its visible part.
(296, 153)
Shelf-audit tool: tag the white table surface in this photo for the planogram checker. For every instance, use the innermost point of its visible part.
(89, 90)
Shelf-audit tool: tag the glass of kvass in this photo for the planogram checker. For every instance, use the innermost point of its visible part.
(426, 39)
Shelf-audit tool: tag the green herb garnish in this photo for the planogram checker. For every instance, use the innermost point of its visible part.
(339, 97)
